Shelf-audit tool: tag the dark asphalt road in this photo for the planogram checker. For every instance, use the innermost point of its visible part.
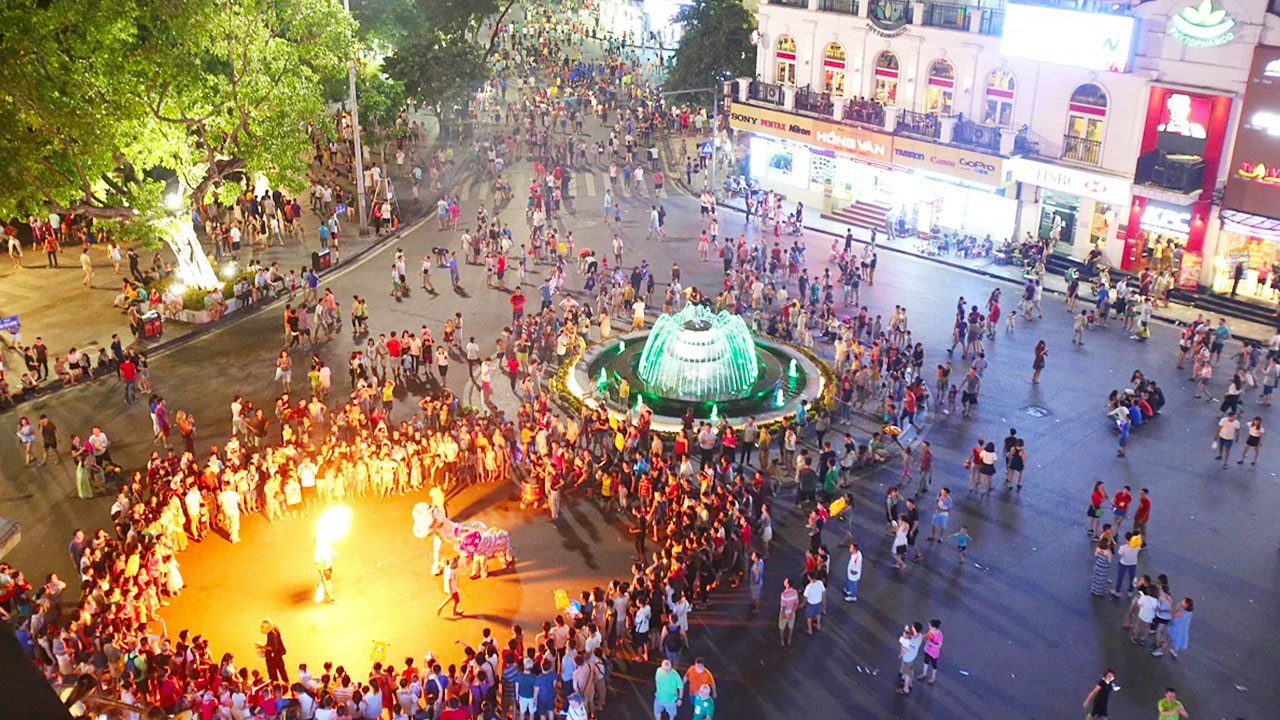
(1023, 636)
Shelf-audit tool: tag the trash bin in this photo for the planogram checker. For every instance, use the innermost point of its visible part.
(321, 260)
(152, 326)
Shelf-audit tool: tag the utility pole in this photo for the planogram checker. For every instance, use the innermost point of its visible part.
(362, 211)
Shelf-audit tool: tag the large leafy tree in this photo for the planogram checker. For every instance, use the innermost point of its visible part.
(716, 45)
(104, 99)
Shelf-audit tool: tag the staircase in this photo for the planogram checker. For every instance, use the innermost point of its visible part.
(863, 214)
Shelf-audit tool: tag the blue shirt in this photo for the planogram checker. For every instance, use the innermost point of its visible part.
(524, 684)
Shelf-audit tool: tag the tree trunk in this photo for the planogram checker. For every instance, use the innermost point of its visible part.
(194, 269)
(493, 36)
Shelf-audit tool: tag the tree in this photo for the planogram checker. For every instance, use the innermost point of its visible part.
(107, 98)
(439, 70)
(716, 45)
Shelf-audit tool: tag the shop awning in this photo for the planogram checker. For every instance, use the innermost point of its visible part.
(1257, 226)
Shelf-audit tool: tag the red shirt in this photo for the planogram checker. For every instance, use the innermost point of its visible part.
(1144, 509)
(128, 371)
(393, 348)
(517, 302)
(1122, 500)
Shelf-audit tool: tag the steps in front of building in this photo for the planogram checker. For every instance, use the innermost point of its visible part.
(863, 214)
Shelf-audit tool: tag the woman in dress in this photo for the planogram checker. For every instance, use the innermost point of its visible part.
(1038, 363)
(1101, 568)
(1178, 636)
(1017, 462)
(27, 439)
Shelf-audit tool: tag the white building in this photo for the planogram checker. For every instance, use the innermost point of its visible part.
(1005, 119)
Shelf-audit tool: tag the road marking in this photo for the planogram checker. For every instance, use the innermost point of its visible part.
(590, 179)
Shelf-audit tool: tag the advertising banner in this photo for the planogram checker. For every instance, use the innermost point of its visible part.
(1253, 180)
(967, 165)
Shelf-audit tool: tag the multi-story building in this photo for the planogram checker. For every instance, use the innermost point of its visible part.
(1093, 125)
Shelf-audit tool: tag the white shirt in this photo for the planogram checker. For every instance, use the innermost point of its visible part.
(854, 571)
(1228, 428)
(449, 580)
(814, 591)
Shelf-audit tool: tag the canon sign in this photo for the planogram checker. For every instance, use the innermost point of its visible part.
(865, 146)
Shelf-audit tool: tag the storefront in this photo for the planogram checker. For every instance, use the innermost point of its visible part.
(1248, 246)
(1074, 210)
(830, 166)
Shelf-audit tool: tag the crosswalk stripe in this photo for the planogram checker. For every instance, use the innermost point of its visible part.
(591, 184)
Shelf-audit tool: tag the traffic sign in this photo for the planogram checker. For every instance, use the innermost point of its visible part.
(706, 148)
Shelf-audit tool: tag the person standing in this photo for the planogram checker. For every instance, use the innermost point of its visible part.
(668, 691)
(815, 593)
(449, 581)
(908, 650)
(941, 515)
(853, 574)
(755, 580)
(1228, 431)
(1142, 515)
(1098, 698)
(1252, 441)
(1127, 560)
(1170, 707)
(49, 441)
(1038, 363)
(1101, 568)
(273, 652)
(932, 649)
(787, 604)
(1096, 499)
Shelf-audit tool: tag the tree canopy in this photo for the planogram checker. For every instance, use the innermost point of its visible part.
(100, 94)
(716, 45)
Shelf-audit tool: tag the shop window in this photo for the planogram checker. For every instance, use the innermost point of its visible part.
(887, 79)
(1086, 119)
(940, 98)
(1000, 89)
(786, 55)
(833, 66)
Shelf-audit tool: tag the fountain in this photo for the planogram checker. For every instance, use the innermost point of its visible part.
(700, 360)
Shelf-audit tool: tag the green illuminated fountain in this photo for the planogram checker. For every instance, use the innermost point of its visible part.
(696, 361)
(699, 355)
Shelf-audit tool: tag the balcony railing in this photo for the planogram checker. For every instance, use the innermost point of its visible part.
(946, 15)
(848, 7)
(1180, 173)
(867, 112)
(992, 22)
(921, 124)
(766, 92)
(1023, 145)
(985, 137)
(1081, 149)
(791, 3)
(814, 102)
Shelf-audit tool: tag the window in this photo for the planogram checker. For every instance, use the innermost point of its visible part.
(786, 54)
(941, 94)
(887, 79)
(1086, 118)
(999, 107)
(833, 69)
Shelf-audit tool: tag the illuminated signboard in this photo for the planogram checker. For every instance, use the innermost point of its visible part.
(1095, 41)
(1166, 220)
(1203, 26)
(1253, 183)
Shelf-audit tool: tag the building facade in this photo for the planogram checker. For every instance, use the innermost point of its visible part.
(1111, 129)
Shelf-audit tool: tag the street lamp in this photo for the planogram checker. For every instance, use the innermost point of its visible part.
(362, 213)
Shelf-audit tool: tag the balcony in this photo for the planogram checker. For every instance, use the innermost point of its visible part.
(865, 112)
(923, 125)
(848, 7)
(946, 15)
(992, 22)
(1081, 149)
(1179, 173)
(814, 102)
(976, 135)
(803, 4)
(768, 93)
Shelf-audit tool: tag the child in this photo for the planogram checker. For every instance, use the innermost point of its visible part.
(951, 399)
(1009, 321)
(617, 214)
(1077, 329)
(962, 541)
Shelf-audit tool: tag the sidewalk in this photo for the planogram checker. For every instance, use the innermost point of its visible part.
(54, 304)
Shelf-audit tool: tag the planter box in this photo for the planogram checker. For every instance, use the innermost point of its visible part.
(201, 317)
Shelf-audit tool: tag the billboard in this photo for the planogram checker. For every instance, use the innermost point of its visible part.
(1094, 41)
(1253, 179)
(1184, 123)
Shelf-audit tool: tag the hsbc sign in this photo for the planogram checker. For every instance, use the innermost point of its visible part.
(1103, 188)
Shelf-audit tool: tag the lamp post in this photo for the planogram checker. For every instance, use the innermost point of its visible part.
(362, 212)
